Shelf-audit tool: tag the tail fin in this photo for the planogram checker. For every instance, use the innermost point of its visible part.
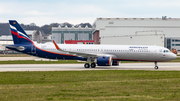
(19, 35)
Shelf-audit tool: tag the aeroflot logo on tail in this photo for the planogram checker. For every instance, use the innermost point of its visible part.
(137, 47)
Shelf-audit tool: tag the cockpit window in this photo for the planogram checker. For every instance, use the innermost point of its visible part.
(167, 51)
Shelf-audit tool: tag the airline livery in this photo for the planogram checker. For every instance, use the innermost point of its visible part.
(100, 55)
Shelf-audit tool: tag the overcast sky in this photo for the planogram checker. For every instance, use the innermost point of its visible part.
(43, 12)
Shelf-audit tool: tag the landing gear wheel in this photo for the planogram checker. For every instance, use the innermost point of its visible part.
(156, 67)
(86, 65)
(93, 65)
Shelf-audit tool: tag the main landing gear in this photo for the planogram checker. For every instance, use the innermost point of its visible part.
(156, 67)
(87, 65)
(93, 64)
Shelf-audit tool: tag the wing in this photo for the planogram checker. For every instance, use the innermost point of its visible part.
(81, 54)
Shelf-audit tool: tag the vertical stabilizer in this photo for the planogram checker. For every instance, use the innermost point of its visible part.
(19, 35)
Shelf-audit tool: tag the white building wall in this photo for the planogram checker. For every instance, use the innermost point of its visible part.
(119, 30)
(169, 32)
(134, 40)
(6, 42)
(128, 26)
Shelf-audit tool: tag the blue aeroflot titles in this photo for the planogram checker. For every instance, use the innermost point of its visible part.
(137, 47)
(101, 55)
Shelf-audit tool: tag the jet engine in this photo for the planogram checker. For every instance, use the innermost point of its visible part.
(104, 61)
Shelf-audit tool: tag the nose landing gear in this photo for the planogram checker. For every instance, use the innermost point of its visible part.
(156, 67)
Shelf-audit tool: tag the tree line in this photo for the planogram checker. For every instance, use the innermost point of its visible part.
(5, 29)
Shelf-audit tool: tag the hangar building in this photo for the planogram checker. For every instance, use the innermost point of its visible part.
(138, 31)
(61, 34)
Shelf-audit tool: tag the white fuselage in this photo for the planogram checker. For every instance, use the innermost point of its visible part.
(117, 52)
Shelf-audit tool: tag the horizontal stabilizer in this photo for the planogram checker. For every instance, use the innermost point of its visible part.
(20, 48)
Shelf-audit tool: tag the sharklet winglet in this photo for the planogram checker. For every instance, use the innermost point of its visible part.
(57, 47)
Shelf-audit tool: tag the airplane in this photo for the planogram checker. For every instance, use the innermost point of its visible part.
(100, 55)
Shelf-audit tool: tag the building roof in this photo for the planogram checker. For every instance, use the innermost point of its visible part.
(163, 18)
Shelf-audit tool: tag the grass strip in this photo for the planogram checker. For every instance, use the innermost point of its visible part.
(14, 55)
(100, 85)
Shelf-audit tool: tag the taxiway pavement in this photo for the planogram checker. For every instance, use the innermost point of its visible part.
(70, 67)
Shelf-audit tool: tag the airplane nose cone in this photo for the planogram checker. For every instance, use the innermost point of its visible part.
(173, 56)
